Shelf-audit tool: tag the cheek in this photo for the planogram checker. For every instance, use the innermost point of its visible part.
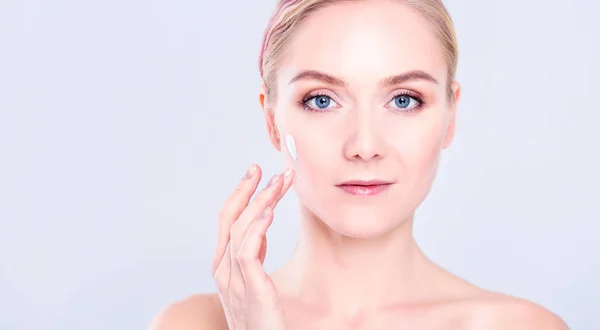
(317, 163)
(313, 139)
(315, 152)
(428, 158)
(419, 147)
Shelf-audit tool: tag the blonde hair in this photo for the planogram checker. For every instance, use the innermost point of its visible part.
(290, 13)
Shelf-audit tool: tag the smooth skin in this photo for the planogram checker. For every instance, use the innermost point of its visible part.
(356, 265)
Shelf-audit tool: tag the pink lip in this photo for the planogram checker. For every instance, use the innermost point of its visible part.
(364, 188)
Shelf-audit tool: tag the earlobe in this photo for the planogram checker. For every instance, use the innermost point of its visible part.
(269, 118)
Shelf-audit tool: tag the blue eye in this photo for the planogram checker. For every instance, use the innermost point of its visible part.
(318, 103)
(405, 102)
(322, 101)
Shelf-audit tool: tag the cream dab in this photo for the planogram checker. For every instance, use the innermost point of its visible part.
(291, 144)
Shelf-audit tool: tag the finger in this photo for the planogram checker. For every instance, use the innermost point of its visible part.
(289, 176)
(233, 207)
(251, 267)
(262, 200)
(239, 228)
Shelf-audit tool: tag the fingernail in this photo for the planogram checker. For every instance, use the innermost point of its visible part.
(273, 180)
(250, 172)
(287, 172)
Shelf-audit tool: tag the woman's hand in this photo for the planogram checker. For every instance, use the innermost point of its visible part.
(247, 293)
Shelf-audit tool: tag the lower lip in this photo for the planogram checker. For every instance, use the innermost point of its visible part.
(364, 190)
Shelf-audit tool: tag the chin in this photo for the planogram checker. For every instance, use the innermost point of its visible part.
(360, 222)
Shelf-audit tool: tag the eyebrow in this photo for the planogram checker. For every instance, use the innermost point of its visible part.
(392, 80)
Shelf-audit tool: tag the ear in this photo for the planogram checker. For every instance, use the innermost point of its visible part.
(269, 113)
(449, 136)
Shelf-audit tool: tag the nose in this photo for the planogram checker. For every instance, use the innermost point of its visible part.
(364, 141)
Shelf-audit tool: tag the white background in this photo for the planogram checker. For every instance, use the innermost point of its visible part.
(125, 124)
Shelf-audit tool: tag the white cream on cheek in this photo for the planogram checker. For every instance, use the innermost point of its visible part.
(291, 145)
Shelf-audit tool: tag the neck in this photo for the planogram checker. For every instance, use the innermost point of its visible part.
(351, 276)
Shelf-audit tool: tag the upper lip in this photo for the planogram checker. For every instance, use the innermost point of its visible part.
(365, 183)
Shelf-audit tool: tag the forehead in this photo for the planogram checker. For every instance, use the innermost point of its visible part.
(364, 41)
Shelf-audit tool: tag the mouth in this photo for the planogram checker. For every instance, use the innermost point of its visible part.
(364, 188)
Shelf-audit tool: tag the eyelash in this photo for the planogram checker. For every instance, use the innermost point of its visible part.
(310, 96)
(415, 96)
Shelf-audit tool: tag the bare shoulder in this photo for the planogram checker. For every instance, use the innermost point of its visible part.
(201, 311)
(499, 311)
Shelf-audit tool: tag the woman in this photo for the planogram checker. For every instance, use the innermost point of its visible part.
(364, 92)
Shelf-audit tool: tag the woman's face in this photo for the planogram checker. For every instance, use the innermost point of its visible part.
(362, 89)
